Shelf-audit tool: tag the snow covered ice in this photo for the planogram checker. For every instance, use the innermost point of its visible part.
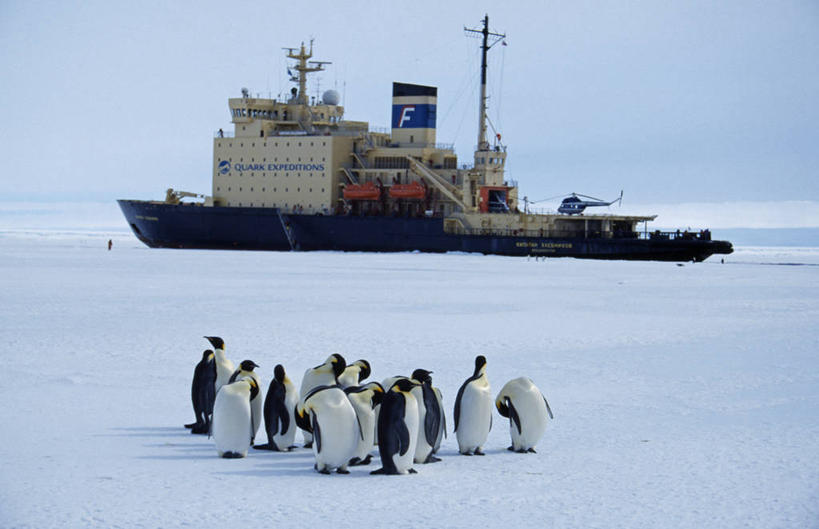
(683, 396)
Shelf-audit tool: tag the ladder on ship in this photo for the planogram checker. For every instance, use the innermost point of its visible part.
(288, 231)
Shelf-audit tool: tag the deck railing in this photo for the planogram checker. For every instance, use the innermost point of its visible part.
(703, 235)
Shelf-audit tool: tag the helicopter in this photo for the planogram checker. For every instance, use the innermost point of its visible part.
(574, 205)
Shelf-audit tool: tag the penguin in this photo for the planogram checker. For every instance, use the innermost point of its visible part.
(473, 411)
(386, 384)
(325, 374)
(354, 374)
(528, 412)
(203, 393)
(330, 416)
(232, 423)
(398, 429)
(246, 370)
(279, 413)
(224, 367)
(431, 420)
(364, 399)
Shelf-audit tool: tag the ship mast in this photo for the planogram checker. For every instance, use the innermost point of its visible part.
(483, 145)
(303, 69)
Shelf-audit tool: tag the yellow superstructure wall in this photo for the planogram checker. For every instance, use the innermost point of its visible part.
(295, 173)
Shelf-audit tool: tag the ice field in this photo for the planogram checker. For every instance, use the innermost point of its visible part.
(684, 396)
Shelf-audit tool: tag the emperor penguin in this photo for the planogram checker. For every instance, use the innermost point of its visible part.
(224, 367)
(398, 429)
(528, 412)
(203, 393)
(329, 414)
(354, 374)
(232, 424)
(431, 421)
(325, 374)
(364, 399)
(279, 412)
(473, 411)
(245, 370)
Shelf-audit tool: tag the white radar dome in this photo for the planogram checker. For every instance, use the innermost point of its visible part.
(330, 97)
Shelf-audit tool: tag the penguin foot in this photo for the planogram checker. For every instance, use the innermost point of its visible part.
(412, 471)
(379, 471)
(191, 425)
(366, 460)
(532, 451)
(267, 446)
(342, 470)
(232, 455)
(291, 448)
(324, 471)
(354, 461)
(432, 459)
(308, 445)
(466, 453)
(200, 428)
(479, 452)
(510, 448)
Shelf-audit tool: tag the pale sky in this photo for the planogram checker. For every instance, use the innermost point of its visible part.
(673, 102)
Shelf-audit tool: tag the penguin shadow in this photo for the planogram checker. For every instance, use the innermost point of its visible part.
(149, 431)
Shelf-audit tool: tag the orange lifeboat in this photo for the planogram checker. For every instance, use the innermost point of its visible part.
(413, 190)
(366, 191)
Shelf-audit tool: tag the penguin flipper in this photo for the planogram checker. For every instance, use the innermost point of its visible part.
(513, 414)
(548, 409)
(316, 432)
(458, 403)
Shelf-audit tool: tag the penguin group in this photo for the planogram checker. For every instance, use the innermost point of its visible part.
(344, 418)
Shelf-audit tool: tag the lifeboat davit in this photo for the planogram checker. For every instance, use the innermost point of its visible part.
(365, 191)
(412, 190)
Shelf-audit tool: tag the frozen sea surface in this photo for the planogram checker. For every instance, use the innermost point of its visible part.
(684, 396)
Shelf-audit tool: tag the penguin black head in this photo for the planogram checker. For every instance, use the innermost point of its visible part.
(378, 393)
(404, 385)
(422, 375)
(502, 406)
(248, 365)
(278, 373)
(480, 363)
(206, 354)
(216, 342)
(365, 369)
(338, 363)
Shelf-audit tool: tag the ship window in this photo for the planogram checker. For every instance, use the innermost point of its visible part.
(251, 189)
(262, 190)
(251, 204)
(253, 145)
(274, 189)
(322, 190)
(285, 190)
(218, 188)
(324, 144)
(298, 190)
(299, 144)
(311, 189)
(242, 144)
(240, 189)
(228, 189)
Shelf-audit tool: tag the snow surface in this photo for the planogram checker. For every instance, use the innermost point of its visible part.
(683, 396)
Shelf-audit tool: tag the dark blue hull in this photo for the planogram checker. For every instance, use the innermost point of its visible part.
(161, 225)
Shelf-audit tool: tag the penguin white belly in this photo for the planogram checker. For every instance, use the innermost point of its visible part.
(313, 379)
(422, 448)
(403, 463)
(530, 408)
(231, 420)
(366, 418)
(338, 433)
(224, 368)
(475, 417)
(291, 399)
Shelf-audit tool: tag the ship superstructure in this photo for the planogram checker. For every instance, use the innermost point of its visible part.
(296, 174)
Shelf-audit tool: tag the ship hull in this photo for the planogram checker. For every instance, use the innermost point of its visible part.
(161, 225)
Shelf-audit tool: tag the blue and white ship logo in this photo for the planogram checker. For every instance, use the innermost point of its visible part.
(224, 167)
